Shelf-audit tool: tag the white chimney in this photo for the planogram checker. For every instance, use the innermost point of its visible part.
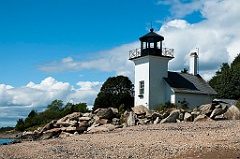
(193, 64)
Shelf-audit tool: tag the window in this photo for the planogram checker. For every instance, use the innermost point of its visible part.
(151, 45)
(141, 88)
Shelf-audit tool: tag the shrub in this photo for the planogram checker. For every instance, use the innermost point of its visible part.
(165, 107)
(238, 104)
(184, 105)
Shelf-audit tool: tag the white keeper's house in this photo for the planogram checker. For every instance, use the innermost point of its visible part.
(155, 85)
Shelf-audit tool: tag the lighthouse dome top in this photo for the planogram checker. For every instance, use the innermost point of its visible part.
(151, 35)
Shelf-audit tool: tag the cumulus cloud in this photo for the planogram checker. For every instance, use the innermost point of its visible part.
(179, 8)
(16, 103)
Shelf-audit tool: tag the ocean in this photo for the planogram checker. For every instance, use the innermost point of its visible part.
(5, 141)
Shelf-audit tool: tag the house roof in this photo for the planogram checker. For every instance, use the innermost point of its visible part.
(182, 82)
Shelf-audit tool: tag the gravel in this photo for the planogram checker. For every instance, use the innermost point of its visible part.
(215, 139)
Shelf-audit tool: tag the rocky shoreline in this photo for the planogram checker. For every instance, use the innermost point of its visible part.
(209, 131)
(108, 119)
(209, 139)
(8, 135)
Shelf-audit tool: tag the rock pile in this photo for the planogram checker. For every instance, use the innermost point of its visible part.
(108, 119)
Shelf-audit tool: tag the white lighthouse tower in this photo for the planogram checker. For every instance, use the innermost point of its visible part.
(151, 66)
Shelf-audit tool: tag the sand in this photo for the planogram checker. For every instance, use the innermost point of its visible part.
(215, 139)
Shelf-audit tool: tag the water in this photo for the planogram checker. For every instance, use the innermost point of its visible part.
(5, 141)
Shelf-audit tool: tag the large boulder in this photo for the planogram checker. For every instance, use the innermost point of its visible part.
(156, 115)
(188, 117)
(97, 129)
(104, 113)
(131, 119)
(141, 110)
(201, 118)
(219, 110)
(55, 132)
(73, 116)
(205, 109)
(48, 126)
(233, 113)
(172, 118)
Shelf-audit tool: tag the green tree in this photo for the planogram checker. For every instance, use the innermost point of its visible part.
(114, 92)
(56, 105)
(20, 126)
(226, 82)
(30, 120)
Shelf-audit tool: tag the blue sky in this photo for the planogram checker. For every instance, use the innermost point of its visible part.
(59, 49)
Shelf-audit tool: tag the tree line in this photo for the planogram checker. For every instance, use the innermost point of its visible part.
(54, 111)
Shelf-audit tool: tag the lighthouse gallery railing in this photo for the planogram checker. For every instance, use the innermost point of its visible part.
(137, 52)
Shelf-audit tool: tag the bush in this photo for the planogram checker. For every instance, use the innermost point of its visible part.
(184, 105)
(165, 107)
(238, 104)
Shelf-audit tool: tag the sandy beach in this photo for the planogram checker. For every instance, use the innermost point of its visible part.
(215, 139)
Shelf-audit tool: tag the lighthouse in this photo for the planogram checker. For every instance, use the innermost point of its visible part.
(151, 67)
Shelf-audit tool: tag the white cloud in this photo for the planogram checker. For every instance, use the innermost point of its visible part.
(179, 8)
(216, 36)
(115, 60)
(16, 103)
(88, 85)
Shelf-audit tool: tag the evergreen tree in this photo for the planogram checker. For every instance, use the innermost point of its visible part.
(226, 82)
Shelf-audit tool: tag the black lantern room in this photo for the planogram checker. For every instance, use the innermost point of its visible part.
(151, 44)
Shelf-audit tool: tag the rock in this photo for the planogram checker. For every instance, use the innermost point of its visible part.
(131, 119)
(92, 126)
(15, 141)
(202, 117)
(73, 116)
(54, 130)
(104, 113)
(65, 134)
(219, 110)
(81, 129)
(188, 117)
(48, 126)
(85, 118)
(206, 109)
(233, 113)
(98, 129)
(116, 121)
(70, 129)
(87, 114)
(83, 124)
(62, 124)
(141, 110)
(172, 118)
(195, 114)
(114, 110)
(110, 127)
(181, 115)
(156, 121)
(51, 133)
(156, 115)
(27, 133)
(101, 121)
